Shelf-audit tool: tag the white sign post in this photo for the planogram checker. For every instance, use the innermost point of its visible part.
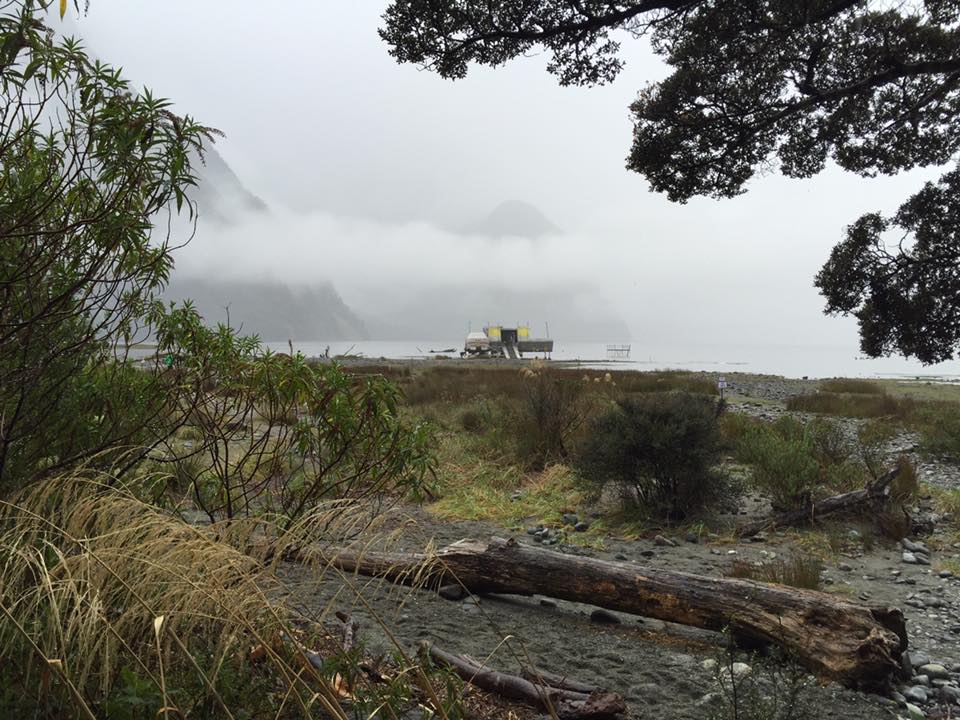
(721, 385)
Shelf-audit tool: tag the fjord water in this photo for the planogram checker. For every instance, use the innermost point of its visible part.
(786, 360)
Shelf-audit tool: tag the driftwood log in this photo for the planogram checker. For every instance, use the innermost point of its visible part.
(874, 497)
(568, 704)
(855, 645)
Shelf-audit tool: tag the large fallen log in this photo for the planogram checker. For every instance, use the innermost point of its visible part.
(873, 498)
(855, 645)
(568, 704)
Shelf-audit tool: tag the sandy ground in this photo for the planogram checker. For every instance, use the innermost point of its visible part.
(657, 666)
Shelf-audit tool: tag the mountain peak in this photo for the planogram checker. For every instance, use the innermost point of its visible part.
(514, 218)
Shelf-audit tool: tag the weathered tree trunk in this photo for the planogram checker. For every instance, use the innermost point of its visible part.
(874, 497)
(855, 645)
(568, 704)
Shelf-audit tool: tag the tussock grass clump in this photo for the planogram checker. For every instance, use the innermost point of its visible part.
(112, 608)
(503, 494)
(801, 571)
(852, 386)
(854, 405)
(112, 593)
(947, 501)
(939, 426)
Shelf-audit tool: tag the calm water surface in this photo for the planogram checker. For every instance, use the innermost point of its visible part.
(814, 362)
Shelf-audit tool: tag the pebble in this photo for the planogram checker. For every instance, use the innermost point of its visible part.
(949, 694)
(620, 556)
(934, 671)
(692, 537)
(452, 592)
(569, 519)
(647, 553)
(916, 694)
(914, 547)
(740, 670)
(604, 617)
(664, 541)
(909, 558)
(845, 567)
(581, 526)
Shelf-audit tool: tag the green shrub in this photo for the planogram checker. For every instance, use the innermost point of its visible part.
(783, 467)
(661, 448)
(791, 460)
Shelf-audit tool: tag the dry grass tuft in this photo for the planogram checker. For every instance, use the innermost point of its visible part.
(852, 386)
(801, 571)
(110, 607)
(855, 405)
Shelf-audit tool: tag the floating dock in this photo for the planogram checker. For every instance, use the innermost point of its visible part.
(500, 341)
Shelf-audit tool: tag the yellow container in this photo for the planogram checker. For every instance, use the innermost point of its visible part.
(523, 332)
(493, 332)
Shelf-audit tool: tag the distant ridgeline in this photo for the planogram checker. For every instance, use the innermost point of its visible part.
(220, 195)
(268, 308)
(271, 309)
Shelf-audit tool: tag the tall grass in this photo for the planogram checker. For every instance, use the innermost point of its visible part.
(459, 383)
(854, 405)
(801, 571)
(110, 607)
(852, 386)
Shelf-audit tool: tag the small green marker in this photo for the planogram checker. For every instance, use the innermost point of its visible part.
(168, 361)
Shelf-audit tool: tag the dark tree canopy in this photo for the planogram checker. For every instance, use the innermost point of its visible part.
(756, 85)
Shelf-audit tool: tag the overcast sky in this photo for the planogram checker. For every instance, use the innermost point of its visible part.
(320, 120)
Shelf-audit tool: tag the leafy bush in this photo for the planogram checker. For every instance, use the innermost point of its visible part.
(661, 448)
(86, 164)
(278, 435)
